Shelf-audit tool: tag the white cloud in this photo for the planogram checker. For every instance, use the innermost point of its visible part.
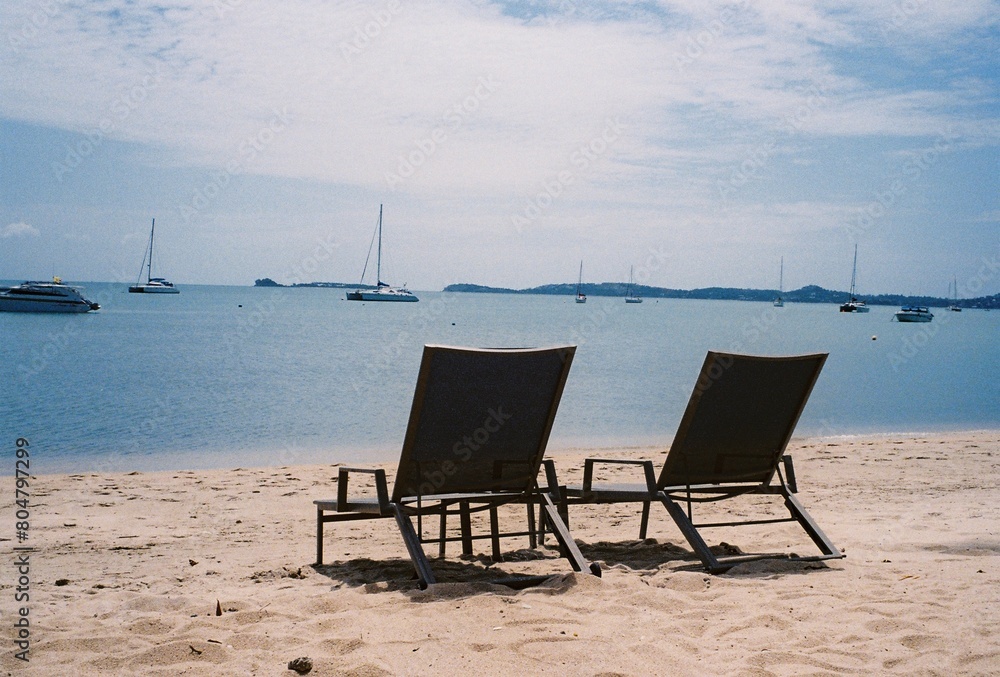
(18, 229)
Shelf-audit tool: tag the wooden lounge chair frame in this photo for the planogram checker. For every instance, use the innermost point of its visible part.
(440, 476)
(715, 433)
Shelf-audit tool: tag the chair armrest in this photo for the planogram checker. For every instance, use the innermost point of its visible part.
(381, 487)
(588, 471)
(550, 477)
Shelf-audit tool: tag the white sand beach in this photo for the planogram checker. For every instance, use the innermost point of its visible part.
(210, 573)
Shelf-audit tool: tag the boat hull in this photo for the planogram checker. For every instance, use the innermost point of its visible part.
(633, 300)
(19, 306)
(853, 308)
(150, 289)
(394, 295)
(914, 317)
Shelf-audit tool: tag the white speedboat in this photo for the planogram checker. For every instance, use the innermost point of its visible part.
(152, 285)
(382, 291)
(44, 297)
(914, 314)
(854, 305)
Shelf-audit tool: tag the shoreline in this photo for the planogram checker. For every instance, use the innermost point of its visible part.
(113, 464)
(211, 572)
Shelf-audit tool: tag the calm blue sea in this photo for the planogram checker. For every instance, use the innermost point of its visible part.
(241, 376)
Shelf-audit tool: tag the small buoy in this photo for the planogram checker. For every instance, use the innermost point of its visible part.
(240, 305)
(453, 324)
(874, 338)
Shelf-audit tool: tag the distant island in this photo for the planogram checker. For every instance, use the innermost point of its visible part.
(807, 294)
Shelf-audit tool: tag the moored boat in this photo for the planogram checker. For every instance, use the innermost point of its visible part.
(853, 305)
(382, 291)
(914, 314)
(45, 297)
(152, 285)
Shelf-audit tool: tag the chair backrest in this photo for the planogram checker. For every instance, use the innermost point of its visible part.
(480, 419)
(739, 418)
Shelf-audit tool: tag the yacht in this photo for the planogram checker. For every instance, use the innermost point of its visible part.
(853, 305)
(382, 290)
(914, 314)
(44, 297)
(152, 285)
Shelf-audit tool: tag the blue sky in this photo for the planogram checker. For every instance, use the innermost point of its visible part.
(698, 142)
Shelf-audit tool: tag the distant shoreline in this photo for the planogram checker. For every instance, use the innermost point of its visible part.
(807, 294)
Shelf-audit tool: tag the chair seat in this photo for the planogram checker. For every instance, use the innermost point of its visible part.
(612, 493)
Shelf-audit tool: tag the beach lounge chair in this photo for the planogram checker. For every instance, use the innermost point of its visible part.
(731, 441)
(476, 436)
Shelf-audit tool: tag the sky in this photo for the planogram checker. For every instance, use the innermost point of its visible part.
(698, 143)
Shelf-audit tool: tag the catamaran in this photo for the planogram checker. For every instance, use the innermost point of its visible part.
(152, 285)
(382, 291)
(853, 305)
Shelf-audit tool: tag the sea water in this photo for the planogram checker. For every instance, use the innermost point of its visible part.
(242, 376)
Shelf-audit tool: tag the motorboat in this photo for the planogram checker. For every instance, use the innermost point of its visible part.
(44, 297)
(152, 285)
(914, 314)
(382, 291)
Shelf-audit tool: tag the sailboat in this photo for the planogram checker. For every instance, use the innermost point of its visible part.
(580, 296)
(382, 291)
(152, 285)
(853, 305)
(954, 302)
(778, 302)
(629, 296)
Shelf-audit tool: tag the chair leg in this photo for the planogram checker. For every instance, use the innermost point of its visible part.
(465, 516)
(532, 535)
(495, 534)
(821, 540)
(412, 541)
(645, 521)
(567, 545)
(697, 543)
(319, 536)
(443, 532)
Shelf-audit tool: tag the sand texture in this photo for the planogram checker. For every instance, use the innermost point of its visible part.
(211, 573)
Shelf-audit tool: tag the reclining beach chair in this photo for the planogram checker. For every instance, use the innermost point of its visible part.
(476, 436)
(730, 442)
